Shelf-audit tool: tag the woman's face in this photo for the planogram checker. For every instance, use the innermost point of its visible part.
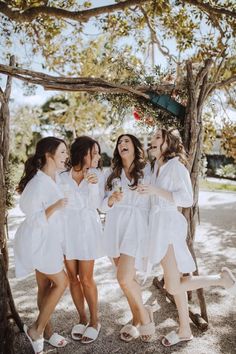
(60, 156)
(92, 157)
(95, 156)
(157, 148)
(126, 147)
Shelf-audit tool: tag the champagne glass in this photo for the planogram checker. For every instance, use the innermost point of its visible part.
(116, 185)
(66, 189)
(90, 171)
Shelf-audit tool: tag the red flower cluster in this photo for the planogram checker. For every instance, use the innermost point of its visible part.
(136, 115)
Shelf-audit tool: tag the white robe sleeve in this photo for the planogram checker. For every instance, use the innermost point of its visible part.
(183, 192)
(31, 203)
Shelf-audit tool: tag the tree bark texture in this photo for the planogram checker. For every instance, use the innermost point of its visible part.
(7, 307)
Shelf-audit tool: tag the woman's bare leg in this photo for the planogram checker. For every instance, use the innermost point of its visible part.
(76, 290)
(44, 285)
(90, 291)
(172, 279)
(177, 285)
(126, 278)
(189, 283)
(59, 283)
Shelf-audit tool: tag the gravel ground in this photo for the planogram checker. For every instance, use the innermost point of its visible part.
(215, 247)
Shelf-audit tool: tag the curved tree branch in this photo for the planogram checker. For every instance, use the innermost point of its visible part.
(210, 9)
(163, 49)
(31, 13)
(88, 84)
(220, 84)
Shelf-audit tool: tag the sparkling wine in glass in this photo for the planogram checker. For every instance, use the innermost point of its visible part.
(116, 185)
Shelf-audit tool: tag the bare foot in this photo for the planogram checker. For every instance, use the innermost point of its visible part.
(184, 332)
(34, 334)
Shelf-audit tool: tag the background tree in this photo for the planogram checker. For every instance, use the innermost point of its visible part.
(195, 40)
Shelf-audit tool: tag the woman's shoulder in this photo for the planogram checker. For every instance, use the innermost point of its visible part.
(178, 166)
(147, 169)
(64, 175)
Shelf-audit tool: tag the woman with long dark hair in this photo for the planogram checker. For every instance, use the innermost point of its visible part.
(171, 188)
(84, 233)
(39, 241)
(125, 229)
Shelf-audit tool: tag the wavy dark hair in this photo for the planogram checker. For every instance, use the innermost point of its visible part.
(79, 149)
(175, 147)
(136, 167)
(38, 160)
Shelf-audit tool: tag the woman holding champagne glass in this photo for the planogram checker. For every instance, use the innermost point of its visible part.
(84, 189)
(125, 228)
(171, 188)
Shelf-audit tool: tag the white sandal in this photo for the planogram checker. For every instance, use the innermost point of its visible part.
(131, 331)
(78, 331)
(173, 338)
(91, 333)
(37, 345)
(148, 330)
(57, 341)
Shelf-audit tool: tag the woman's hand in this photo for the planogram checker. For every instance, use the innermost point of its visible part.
(147, 189)
(92, 178)
(60, 204)
(114, 198)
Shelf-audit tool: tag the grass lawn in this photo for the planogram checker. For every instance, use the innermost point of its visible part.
(214, 186)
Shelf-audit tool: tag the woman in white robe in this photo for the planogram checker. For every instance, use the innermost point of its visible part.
(171, 188)
(126, 226)
(84, 233)
(39, 241)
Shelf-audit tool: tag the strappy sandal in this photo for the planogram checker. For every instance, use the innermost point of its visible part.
(148, 330)
(173, 338)
(130, 331)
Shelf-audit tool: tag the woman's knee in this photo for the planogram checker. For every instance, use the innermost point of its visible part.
(172, 288)
(86, 280)
(61, 281)
(123, 280)
(73, 279)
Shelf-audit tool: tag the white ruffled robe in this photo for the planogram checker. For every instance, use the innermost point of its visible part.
(39, 242)
(84, 236)
(126, 226)
(167, 226)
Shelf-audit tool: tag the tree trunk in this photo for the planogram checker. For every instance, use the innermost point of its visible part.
(7, 311)
(193, 137)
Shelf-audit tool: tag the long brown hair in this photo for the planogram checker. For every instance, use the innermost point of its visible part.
(175, 147)
(136, 167)
(80, 147)
(38, 160)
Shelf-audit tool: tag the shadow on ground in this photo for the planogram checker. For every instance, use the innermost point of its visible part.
(215, 247)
